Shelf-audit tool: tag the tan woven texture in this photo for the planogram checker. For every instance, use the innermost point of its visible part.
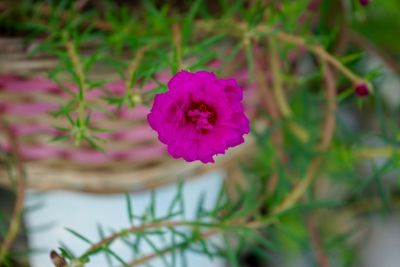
(135, 159)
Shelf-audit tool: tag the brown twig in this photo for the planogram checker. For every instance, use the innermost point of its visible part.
(321, 256)
(330, 120)
(205, 235)
(301, 187)
(241, 30)
(215, 228)
(134, 229)
(60, 261)
(139, 229)
(20, 194)
(327, 134)
(167, 250)
(321, 53)
(328, 128)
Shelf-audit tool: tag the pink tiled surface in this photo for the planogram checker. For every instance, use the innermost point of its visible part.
(29, 102)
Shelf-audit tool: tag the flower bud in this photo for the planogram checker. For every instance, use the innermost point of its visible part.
(362, 89)
(136, 99)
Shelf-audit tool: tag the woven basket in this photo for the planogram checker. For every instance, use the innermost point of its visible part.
(135, 159)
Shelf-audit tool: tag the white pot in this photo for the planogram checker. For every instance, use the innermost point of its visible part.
(83, 213)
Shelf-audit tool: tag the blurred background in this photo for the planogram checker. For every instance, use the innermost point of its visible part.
(316, 183)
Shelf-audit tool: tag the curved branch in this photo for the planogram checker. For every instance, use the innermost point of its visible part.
(19, 203)
(328, 128)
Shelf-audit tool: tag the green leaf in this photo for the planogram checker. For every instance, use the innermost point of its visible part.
(230, 253)
(250, 60)
(114, 255)
(79, 236)
(102, 237)
(176, 200)
(93, 143)
(60, 138)
(66, 252)
(156, 250)
(152, 206)
(101, 130)
(131, 215)
(351, 57)
(188, 22)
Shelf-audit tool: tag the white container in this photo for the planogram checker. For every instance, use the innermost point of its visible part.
(83, 213)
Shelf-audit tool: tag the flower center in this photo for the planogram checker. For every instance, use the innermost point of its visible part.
(202, 115)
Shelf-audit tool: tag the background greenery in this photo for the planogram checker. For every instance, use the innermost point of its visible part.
(318, 172)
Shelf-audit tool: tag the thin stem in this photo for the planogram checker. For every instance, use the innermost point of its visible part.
(203, 236)
(320, 52)
(216, 227)
(315, 238)
(133, 97)
(301, 187)
(238, 29)
(177, 38)
(164, 224)
(330, 119)
(277, 80)
(133, 66)
(134, 229)
(78, 69)
(328, 128)
(377, 152)
(20, 195)
(82, 85)
(167, 250)
(327, 135)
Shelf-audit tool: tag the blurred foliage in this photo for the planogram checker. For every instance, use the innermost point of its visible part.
(283, 209)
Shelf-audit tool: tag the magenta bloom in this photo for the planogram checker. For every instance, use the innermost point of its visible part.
(199, 116)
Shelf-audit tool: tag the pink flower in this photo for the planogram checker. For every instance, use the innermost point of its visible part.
(199, 116)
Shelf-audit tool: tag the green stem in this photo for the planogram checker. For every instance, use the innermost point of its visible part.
(20, 196)
(78, 69)
(177, 38)
(129, 76)
(277, 80)
(239, 29)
